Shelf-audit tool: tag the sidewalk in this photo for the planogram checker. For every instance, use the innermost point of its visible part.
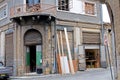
(89, 74)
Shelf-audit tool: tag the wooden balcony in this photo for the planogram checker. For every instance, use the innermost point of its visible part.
(38, 9)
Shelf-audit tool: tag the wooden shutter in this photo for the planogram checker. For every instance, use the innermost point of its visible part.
(91, 38)
(9, 49)
(89, 8)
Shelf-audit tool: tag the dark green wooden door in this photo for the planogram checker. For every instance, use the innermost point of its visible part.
(28, 57)
(38, 55)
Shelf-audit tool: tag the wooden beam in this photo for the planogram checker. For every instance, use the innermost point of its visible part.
(61, 43)
(58, 45)
(69, 52)
(62, 57)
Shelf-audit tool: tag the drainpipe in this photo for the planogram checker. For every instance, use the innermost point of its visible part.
(102, 25)
(55, 32)
(15, 64)
(103, 53)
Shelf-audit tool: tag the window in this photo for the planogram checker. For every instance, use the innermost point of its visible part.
(3, 11)
(63, 5)
(33, 5)
(32, 2)
(89, 8)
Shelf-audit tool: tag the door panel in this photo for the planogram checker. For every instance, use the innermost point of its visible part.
(38, 55)
(28, 57)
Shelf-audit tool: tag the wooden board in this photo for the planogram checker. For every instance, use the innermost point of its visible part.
(58, 44)
(59, 65)
(64, 65)
(75, 65)
(61, 39)
(69, 52)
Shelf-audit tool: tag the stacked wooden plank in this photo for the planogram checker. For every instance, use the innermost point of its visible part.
(65, 66)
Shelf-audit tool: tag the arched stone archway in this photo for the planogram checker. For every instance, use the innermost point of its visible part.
(33, 43)
(114, 13)
(32, 37)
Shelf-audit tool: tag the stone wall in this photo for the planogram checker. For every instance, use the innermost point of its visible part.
(114, 5)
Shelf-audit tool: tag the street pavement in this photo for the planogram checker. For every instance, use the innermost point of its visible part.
(89, 74)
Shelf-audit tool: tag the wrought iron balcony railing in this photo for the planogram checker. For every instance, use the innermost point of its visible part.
(25, 9)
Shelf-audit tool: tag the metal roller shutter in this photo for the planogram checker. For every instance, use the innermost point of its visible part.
(9, 49)
(91, 38)
(33, 37)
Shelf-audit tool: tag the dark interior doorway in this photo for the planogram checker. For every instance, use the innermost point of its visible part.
(92, 58)
(32, 58)
(33, 43)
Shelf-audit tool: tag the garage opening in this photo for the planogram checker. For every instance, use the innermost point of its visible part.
(92, 58)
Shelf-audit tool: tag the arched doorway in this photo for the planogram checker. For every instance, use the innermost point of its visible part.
(33, 43)
(112, 15)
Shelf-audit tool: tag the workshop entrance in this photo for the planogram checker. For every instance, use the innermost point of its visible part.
(33, 43)
(92, 58)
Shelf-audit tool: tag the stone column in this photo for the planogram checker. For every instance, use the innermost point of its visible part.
(45, 57)
(79, 48)
(3, 47)
(19, 55)
(76, 41)
(53, 46)
(15, 59)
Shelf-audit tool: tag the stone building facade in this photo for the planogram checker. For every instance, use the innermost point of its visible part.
(29, 31)
(114, 11)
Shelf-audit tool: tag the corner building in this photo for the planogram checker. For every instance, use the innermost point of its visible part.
(29, 29)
